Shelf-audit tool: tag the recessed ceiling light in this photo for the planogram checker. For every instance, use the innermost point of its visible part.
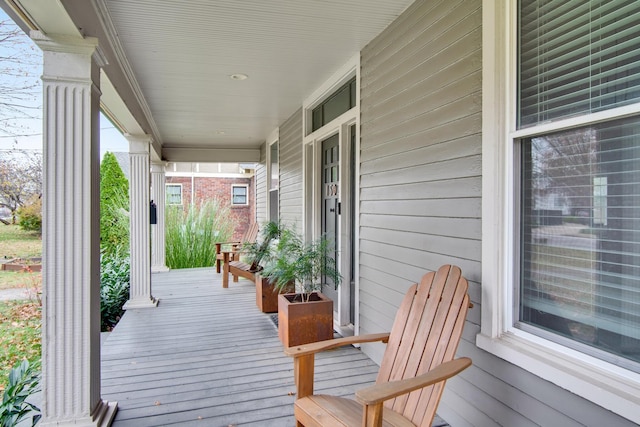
(221, 132)
(238, 76)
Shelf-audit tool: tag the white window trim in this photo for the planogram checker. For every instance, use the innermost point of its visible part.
(175, 184)
(246, 190)
(605, 384)
(312, 145)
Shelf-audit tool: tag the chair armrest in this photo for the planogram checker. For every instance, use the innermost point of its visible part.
(384, 391)
(312, 348)
(228, 243)
(219, 245)
(304, 358)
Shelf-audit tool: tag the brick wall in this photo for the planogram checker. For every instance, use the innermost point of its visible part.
(207, 188)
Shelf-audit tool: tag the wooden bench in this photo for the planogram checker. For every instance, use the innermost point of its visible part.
(249, 237)
(237, 268)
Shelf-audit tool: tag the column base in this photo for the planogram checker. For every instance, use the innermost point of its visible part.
(102, 416)
(140, 303)
(159, 268)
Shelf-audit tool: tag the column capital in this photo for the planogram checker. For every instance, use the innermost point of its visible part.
(62, 43)
(139, 144)
(158, 167)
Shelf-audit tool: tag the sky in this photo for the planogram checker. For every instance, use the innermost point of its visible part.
(30, 130)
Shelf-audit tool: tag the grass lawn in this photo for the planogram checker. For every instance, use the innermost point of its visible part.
(19, 279)
(17, 243)
(19, 320)
(19, 335)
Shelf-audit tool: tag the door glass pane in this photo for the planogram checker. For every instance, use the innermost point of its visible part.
(580, 234)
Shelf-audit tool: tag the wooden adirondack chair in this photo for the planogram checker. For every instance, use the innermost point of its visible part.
(417, 361)
(249, 236)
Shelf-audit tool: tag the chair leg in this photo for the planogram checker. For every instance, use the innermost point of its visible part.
(218, 250)
(225, 272)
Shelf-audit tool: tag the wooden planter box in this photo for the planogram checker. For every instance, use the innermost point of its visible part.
(304, 322)
(267, 295)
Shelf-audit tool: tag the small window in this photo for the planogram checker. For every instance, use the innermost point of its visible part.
(174, 194)
(239, 195)
(274, 175)
(338, 103)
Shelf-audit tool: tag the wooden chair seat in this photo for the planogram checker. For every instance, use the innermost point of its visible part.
(418, 360)
(324, 410)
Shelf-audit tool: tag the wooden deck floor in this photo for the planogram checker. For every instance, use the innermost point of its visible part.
(206, 356)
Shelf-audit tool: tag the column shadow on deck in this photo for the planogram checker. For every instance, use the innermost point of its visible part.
(207, 356)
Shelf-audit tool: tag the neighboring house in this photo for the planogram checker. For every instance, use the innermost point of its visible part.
(231, 184)
(123, 162)
(417, 134)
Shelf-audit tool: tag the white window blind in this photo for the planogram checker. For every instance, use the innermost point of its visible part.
(577, 57)
(579, 245)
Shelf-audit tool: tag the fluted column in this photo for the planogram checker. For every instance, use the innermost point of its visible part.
(71, 234)
(140, 247)
(158, 258)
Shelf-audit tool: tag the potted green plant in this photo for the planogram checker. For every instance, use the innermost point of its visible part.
(307, 315)
(256, 254)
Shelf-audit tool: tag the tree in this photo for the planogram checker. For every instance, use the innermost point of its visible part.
(114, 206)
(20, 179)
(20, 85)
(564, 165)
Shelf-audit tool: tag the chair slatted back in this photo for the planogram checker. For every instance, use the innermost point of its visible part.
(251, 235)
(425, 333)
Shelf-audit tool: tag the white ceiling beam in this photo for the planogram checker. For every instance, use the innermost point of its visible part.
(205, 155)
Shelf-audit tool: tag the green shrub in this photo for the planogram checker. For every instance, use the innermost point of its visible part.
(24, 380)
(30, 216)
(114, 287)
(114, 205)
(191, 235)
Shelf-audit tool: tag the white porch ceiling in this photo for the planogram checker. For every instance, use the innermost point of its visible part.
(170, 61)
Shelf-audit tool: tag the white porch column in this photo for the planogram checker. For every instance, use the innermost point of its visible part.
(140, 284)
(158, 259)
(71, 234)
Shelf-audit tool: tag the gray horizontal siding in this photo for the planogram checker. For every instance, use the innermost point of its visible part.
(420, 183)
(291, 208)
(420, 204)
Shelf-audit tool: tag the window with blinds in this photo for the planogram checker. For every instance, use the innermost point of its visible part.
(579, 245)
(173, 194)
(576, 57)
(239, 195)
